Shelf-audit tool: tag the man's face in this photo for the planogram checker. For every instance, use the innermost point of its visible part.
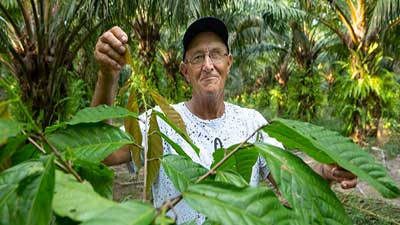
(208, 77)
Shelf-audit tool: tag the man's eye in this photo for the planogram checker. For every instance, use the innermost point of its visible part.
(215, 55)
(197, 58)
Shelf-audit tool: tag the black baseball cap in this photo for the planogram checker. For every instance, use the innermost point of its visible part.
(205, 24)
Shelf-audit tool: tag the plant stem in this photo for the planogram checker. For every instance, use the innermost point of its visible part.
(146, 148)
(67, 166)
(37, 145)
(170, 204)
(212, 171)
(59, 156)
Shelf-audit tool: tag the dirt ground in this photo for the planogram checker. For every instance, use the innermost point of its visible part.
(127, 186)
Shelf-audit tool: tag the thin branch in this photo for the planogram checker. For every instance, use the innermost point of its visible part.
(146, 149)
(59, 156)
(40, 148)
(210, 172)
(61, 166)
(137, 146)
(171, 203)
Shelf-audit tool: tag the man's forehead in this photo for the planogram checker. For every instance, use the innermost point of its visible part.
(205, 41)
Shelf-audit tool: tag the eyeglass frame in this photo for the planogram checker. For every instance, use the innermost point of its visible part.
(204, 54)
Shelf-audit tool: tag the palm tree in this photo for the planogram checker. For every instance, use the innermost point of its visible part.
(258, 38)
(40, 40)
(360, 26)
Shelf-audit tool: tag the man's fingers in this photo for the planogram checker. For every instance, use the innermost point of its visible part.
(120, 34)
(110, 48)
(341, 173)
(349, 183)
(116, 44)
(107, 61)
(111, 53)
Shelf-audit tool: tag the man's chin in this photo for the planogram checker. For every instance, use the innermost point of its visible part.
(212, 90)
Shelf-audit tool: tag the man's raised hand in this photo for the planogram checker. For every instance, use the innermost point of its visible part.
(109, 52)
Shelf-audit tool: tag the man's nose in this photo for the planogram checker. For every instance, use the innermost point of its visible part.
(208, 63)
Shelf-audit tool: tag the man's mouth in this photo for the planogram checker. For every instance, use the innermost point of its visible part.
(209, 77)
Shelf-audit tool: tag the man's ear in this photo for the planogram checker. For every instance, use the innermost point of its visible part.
(184, 71)
(230, 61)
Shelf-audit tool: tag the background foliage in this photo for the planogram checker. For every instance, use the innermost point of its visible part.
(332, 63)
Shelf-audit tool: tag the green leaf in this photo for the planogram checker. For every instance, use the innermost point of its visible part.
(178, 131)
(305, 190)
(8, 150)
(126, 213)
(182, 171)
(16, 173)
(154, 152)
(169, 111)
(100, 113)
(77, 201)
(293, 138)
(317, 141)
(90, 142)
(80, 202)
(132, 127)
(242, 161)
(219, 154)
(231, 177)
(163, 219)
(28, 194)
(100, 177)
(95, 115)
(174, 145)
(25, 153)
(9, 128)
(8, 198)
(228, 204)
(39, 195)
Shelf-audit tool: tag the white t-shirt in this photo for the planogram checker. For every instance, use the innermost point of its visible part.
(233, 127)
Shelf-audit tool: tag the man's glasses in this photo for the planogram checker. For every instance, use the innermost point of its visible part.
(217, 57)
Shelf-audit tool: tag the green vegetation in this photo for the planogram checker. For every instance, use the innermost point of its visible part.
(332, 63)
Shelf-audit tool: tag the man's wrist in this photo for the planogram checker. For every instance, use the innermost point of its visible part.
(108, 76)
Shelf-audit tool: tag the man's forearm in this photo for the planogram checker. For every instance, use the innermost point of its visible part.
(106, 90)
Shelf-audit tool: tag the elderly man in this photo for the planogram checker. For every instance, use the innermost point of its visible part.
(210, 121)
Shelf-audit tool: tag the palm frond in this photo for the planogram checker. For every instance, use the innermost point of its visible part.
(7, 17)
(9, 42)
(385, 13)
(276, 14)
